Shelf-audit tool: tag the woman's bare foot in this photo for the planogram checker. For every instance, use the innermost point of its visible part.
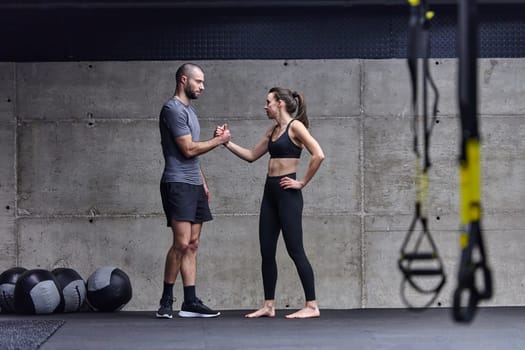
(311, 310)
(268, 310)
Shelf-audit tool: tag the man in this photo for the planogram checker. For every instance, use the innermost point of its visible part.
(184, 190)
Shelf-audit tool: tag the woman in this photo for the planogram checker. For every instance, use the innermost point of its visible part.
(282, 204)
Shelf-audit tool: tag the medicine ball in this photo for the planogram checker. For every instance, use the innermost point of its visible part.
(8, 280)
(72, 289)
(108, 289)
(36, 292)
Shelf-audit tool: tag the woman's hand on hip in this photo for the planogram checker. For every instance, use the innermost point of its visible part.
(289, 183)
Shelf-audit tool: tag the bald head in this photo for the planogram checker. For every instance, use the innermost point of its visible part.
(188, 70)
(190, 82)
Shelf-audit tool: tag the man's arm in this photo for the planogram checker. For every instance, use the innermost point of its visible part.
(191, 148)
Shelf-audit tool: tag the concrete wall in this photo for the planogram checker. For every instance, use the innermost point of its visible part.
(81, 163)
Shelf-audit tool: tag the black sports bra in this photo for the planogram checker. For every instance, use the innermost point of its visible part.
(283, 147)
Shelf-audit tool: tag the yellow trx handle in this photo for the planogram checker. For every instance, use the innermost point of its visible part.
(470, 191)
(418, 178)
(424, 194)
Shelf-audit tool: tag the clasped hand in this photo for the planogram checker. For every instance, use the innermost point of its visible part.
(222, 132)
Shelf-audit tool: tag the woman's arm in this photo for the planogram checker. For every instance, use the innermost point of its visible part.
(300, 134)
(250, 155)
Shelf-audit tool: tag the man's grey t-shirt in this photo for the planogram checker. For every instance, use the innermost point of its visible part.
(176, 119)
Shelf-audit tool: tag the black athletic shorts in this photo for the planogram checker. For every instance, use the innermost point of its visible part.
(184, 202)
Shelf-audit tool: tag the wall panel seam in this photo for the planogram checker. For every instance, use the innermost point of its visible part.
(362, 184)
(15, 164)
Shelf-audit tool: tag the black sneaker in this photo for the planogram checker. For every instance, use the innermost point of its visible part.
(165, 309)
(197, 309)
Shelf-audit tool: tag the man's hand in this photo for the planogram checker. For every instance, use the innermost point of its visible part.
(207, 192)
(219, 130)
(223, 132)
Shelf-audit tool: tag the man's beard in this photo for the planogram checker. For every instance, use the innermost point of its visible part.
(191, 94)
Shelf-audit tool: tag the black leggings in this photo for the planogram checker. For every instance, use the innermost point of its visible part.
(282, 209)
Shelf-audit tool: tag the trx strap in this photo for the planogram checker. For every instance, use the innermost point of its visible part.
(419, 259)
(474, 276)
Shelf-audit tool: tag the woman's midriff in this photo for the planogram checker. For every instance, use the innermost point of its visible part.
(282, 166)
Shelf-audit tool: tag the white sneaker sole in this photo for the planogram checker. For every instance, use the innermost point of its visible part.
(194, 314)
(164, 316)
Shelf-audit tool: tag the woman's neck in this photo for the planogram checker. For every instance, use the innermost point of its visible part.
(284, 119)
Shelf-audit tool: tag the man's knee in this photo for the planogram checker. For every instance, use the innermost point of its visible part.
(181, 248)
(193, 246)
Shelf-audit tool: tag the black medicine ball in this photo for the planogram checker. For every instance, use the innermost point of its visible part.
(8, 280)
(108, 289)
(72, 289)
(36, 292)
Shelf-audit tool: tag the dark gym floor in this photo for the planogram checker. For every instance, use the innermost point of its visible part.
(492, 328)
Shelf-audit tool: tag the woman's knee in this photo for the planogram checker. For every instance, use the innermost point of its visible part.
(297, 255)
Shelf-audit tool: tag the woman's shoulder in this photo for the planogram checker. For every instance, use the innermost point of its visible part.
(297, 126)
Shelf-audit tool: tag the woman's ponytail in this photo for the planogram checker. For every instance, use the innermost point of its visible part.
(294, 102)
